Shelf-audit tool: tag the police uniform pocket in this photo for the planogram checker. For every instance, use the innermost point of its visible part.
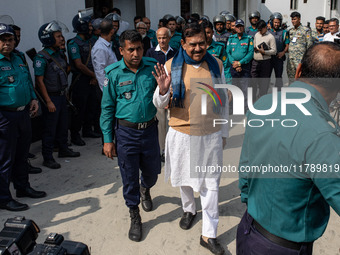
(126, 91)
(7, 95)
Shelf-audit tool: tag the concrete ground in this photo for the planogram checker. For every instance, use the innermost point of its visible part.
(85, 204)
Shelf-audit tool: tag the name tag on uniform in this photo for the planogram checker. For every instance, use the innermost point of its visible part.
(124, 83)
(294, 39)
(244, 44)
(6, 68)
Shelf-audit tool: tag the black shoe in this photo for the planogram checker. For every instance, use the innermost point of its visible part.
(51, 164)
(30, 192)
(135, 232)
(33, 169)
(77, 141)
(186, 220)
(14, 205)
(212, 245)
(146, 199)
(91, 134)
(68, 153)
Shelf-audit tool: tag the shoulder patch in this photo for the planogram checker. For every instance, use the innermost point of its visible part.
(106, 81)
(251, 43)
(73, 49)
(38, 63)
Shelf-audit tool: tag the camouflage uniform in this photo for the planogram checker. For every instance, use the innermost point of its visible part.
(316, 36)
(300, 40)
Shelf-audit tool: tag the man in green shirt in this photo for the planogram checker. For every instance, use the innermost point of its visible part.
(127, 96)
(240, 51)
(290, 167)
(175, 40)
(17, 103)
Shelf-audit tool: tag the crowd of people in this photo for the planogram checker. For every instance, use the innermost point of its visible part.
(133, 89)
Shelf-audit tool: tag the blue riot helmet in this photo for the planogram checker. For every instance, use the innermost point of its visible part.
(46, 32)
(81, 21)
(6, 29)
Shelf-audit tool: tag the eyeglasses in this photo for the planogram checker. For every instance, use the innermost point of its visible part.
(142, 28)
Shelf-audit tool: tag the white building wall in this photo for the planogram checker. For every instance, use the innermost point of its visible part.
(31, 15)
(156, 9)
(213, 7)
(128, 10)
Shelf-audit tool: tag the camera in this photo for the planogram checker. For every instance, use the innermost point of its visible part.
(337, 40)
(19, 235)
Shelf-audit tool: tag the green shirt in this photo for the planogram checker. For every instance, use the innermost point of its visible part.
(292, 205)
(153, 37)
(16, 86)
(73, 48)
(240, 49)
(40, 62)
(127, 95)
(217, 50)
(175, 41)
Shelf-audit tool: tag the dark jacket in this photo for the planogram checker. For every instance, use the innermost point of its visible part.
(159, 55)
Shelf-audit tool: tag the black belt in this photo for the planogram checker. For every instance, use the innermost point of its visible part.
(12, 109)
(138, 126)
(278, 240)
(58, 93)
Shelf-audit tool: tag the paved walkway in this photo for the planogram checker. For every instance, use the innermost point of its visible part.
(85, 203)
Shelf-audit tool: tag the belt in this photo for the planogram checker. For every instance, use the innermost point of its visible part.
(278, 240)
(12, 109)
(58, 93)
(138, 126)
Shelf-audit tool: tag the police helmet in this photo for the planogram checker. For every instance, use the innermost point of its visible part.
(224, 13)
(276, 15)
(254, 14)
(168, 16)
(6, 29)
(96, 23)
(46, 33)
(219, 18)
(205, 17)
(113, 17)
(180, 20)
(81, 24)
(230, 17)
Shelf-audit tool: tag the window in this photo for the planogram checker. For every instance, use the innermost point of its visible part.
(334, 4)
(293, 4)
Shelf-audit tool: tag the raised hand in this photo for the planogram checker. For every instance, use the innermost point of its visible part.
(163, 80)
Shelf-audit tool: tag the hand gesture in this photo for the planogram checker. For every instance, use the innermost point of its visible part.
(163, 80)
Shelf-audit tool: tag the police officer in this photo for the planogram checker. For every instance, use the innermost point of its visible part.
(217, 49)
(175, 40)
(17, 102)
(240, 51)
(220, 35)
(127, 95)
(84, 81)
(51, 77)
(254, 17)
(282, 45)
(300, 39)
(229, 19)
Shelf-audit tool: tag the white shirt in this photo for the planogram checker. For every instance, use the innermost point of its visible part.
(158, 48)
(102, 56)
(329, 37)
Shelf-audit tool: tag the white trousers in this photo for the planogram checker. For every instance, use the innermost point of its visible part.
(209, 203)
(162, 116)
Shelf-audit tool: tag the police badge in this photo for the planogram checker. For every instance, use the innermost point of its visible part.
(128, 95)
(10, 79)
(38, 63)
(106, 82)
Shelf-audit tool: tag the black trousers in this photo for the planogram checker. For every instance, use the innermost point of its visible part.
(15, 140)
(83, 98)
(277, 65)
(250, 242)
(260, 72)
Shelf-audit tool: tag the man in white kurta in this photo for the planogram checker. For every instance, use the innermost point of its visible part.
(192, 143)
